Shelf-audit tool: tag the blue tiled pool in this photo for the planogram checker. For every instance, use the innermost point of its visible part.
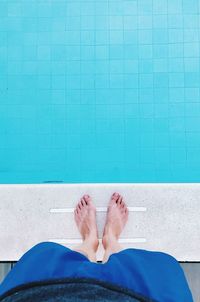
(99, 91)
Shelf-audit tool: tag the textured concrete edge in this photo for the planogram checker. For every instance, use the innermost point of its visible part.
(26, 187)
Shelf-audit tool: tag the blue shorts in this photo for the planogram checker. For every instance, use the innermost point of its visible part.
(155, 275)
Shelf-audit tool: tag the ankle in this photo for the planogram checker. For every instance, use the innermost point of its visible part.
(91, 242)
(111, 248)
(109, 240)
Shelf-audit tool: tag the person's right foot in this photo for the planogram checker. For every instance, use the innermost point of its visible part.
(85, 217)
(117, 216)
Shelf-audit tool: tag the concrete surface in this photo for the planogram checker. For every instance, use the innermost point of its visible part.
(192, 273)
(163, 217)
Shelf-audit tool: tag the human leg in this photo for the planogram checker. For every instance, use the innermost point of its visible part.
(117, 216)
(85, 217)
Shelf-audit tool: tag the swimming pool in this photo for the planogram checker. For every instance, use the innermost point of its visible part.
(99, 91)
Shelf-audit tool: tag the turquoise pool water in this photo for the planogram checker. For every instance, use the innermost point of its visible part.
(99, 91)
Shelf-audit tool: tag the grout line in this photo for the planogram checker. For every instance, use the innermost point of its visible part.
(98, 209)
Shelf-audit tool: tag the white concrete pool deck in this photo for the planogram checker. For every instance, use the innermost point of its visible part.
(163, 217)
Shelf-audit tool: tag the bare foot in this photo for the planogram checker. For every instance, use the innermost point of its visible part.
(85, 217)
(117, 216)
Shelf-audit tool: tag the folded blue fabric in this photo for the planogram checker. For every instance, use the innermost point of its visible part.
(155, 276)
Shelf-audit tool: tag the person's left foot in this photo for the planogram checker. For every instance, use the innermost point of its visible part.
(85, 217)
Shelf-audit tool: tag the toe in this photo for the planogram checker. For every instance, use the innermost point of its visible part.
(83, 202)
(87, 199)
(119, 202)
(120, 199)
(125, 206)
(122, 204)
(115, 197)
(80, 205)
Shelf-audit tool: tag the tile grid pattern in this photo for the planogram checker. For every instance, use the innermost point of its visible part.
(99, 91)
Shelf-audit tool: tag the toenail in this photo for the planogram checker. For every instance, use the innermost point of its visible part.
(115, 194)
